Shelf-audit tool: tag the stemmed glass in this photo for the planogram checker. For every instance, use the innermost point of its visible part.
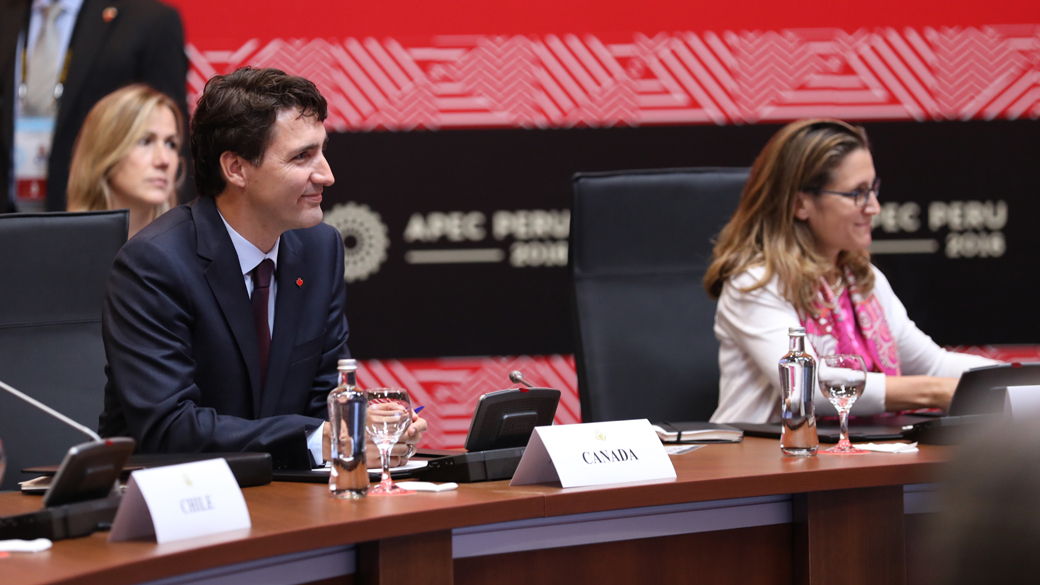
(389, 416)
(842, 379)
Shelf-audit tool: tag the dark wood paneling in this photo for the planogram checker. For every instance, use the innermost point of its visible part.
(419, 558)
(850, 537)
(759, 555)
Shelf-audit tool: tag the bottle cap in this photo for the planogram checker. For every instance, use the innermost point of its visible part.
(347, 365)
(790, 331)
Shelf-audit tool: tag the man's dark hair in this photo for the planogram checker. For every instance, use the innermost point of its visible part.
(237, 113)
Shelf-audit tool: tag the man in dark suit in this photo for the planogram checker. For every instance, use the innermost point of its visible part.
(114, 43)
(224, 318)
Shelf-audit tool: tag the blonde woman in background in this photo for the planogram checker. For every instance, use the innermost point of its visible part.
(796, 254)
(127, 156)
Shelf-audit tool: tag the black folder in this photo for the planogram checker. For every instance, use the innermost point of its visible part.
(249, 469)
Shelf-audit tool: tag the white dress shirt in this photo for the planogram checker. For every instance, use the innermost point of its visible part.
(752, 332)
(249, 257)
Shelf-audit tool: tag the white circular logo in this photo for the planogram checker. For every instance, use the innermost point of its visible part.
(365, 239)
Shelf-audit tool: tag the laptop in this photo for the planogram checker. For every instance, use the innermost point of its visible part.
(861, 428)
(982, 390)
(978, 397)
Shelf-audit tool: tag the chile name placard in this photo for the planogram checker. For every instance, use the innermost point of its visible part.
(594, 454)
(175, 502)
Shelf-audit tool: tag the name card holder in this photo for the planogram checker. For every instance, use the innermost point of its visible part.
(1022, 402)
(180, 501)
(594, 454)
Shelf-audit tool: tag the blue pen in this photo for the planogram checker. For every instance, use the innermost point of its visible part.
(418, 408)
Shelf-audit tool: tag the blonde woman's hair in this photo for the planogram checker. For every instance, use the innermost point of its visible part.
(112, 128)
(764, 231)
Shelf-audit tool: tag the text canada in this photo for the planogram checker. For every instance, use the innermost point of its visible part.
(611, 456)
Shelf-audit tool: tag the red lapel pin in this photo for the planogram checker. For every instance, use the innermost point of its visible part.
(109, 14)
(299, 282)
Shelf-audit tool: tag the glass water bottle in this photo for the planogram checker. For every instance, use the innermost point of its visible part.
(347, 409)
(798, 417)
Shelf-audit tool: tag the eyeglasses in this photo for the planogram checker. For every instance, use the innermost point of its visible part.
(859, 196)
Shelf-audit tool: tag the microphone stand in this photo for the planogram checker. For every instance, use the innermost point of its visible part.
(51, 411)
(78, 501)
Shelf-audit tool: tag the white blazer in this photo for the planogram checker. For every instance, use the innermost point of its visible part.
(752, 332)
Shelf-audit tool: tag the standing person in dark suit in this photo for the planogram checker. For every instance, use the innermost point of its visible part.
(224, 318)
(98, 47)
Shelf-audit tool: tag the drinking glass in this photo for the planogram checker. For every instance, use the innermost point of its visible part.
(842, 379)
(389, 415)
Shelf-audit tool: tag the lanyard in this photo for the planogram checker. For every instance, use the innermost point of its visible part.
(59, 88)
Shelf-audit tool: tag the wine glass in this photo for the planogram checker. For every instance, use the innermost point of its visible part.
(842, 379)
(389, 415)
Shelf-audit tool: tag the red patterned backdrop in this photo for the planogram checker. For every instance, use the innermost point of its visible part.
(449, 387)
(717, 77)
(410, 65)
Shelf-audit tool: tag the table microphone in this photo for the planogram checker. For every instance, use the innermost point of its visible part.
(517, 378)
(89, 470)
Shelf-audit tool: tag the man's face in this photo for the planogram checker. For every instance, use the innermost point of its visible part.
(284, 190)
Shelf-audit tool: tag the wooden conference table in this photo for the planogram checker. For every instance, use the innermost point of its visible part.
(737, 513)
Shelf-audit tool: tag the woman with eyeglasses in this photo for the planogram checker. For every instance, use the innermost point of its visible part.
(795, 254)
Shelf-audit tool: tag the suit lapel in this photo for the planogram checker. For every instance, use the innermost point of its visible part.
(224, 276)
(15, 17)
(288, 303)
(87, 40)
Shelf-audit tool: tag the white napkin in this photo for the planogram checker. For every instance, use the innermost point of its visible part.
(425, 486)
(889, 447)
(26, 546)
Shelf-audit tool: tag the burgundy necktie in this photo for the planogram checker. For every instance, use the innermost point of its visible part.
(261, 295)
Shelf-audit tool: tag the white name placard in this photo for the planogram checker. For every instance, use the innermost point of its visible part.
(1022, 402)
(180, 501)
(594, 454)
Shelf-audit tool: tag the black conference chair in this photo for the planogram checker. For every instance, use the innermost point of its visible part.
(640, 244)
(53, 268)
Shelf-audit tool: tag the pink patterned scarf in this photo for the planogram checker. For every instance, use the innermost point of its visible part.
(830, 333)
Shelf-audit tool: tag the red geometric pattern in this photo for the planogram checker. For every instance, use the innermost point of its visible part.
(449, 387)
(675, 78)
(1004, 353)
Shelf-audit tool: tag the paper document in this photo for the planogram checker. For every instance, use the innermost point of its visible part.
(25, 546)
(680, 449)
(889, 447)
(425, 486)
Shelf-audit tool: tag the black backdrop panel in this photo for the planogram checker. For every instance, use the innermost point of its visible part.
(967, 292)
(502, 197)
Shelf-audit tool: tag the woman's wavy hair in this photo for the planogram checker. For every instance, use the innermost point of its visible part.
(112, 128)
(763, 231)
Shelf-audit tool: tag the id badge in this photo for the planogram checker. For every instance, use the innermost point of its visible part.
(33, 137)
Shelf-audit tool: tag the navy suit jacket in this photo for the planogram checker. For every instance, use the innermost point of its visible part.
(183, 361)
